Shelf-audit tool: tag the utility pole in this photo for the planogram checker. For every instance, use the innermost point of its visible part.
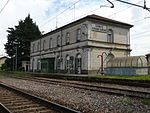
(144, 7)
(16, 60)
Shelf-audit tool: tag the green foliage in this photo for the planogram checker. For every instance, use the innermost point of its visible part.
(145, 101)
(127, 102)
(18, 40)
(136, 77)
(7, 66)
(15, 73)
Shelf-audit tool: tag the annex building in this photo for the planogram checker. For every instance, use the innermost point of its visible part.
(82, 47)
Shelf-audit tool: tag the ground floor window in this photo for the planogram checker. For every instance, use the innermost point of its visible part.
(58, 63)
(78, 64)
(38, 64)
(33, 64)
(69, 63)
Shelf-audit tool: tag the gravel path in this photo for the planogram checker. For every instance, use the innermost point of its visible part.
(80, 99)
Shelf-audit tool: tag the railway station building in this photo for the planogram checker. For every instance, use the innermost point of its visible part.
(81, 47)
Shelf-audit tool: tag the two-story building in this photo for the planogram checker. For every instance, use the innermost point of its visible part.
(83, 46)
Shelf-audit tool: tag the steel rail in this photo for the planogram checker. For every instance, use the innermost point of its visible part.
(4, 109)
(57, 107)
(105, 89)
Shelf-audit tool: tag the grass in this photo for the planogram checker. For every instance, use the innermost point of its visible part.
(15, 73)
(127, 102)
(145, 101)
(136, 77)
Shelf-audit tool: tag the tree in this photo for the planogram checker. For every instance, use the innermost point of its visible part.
(18, 40)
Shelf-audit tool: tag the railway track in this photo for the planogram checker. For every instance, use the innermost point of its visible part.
(16, 101)
(105, 89)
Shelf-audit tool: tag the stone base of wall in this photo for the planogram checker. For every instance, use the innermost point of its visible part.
(82, 71)
(127, 71)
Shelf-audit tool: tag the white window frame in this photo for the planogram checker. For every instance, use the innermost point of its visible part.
(78, 34)
(110, 36)
(44, 44)
(67, 38)
(58, 41)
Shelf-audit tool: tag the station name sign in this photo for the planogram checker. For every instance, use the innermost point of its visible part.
(99, 28)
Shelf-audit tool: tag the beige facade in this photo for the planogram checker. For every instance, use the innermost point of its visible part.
(78, 47)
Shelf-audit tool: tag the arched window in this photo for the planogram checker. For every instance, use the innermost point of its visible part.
(44, 44)
(78, 34)
(33, 64)
(38, 46)
(78, 64)
(50, 43)
(69, 63)
(58, 40)
(110, 36)
(67, 38)
(33, 48)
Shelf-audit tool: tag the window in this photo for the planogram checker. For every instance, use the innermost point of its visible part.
(33, 48)
(33, 64)
(50, 43)
(44, 44)
(110, 36)
(58, 41)
(38, 64)
(67, 38)
(78, 34)
(78, 64)
(69, 63)
(38, 46)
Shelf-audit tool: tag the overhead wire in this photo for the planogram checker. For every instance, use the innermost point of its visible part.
(68, 9)
(93, 11)
(123, 9)
(60, 13)
(4, 6)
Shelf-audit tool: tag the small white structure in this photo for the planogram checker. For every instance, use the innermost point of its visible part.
(26, 65)
(133, 65)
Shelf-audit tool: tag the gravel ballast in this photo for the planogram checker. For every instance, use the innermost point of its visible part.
(84, 100)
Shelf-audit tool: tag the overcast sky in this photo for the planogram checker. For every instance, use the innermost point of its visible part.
(46, 13)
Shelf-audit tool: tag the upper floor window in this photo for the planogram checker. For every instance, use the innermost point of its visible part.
(44, 44)
(110, 36)
(38, 46)
(67, 38)
(78, 34)
(58, 40)
(33, 48)
(50, 43)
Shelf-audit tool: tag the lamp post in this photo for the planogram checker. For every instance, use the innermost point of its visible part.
(16, 55)
(16, 63)
(102, 61)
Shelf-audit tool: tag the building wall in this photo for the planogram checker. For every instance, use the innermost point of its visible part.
(94, 41)
(99, 43)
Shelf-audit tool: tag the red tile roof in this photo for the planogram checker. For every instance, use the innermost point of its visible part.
(94, 17)
(107, 19)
